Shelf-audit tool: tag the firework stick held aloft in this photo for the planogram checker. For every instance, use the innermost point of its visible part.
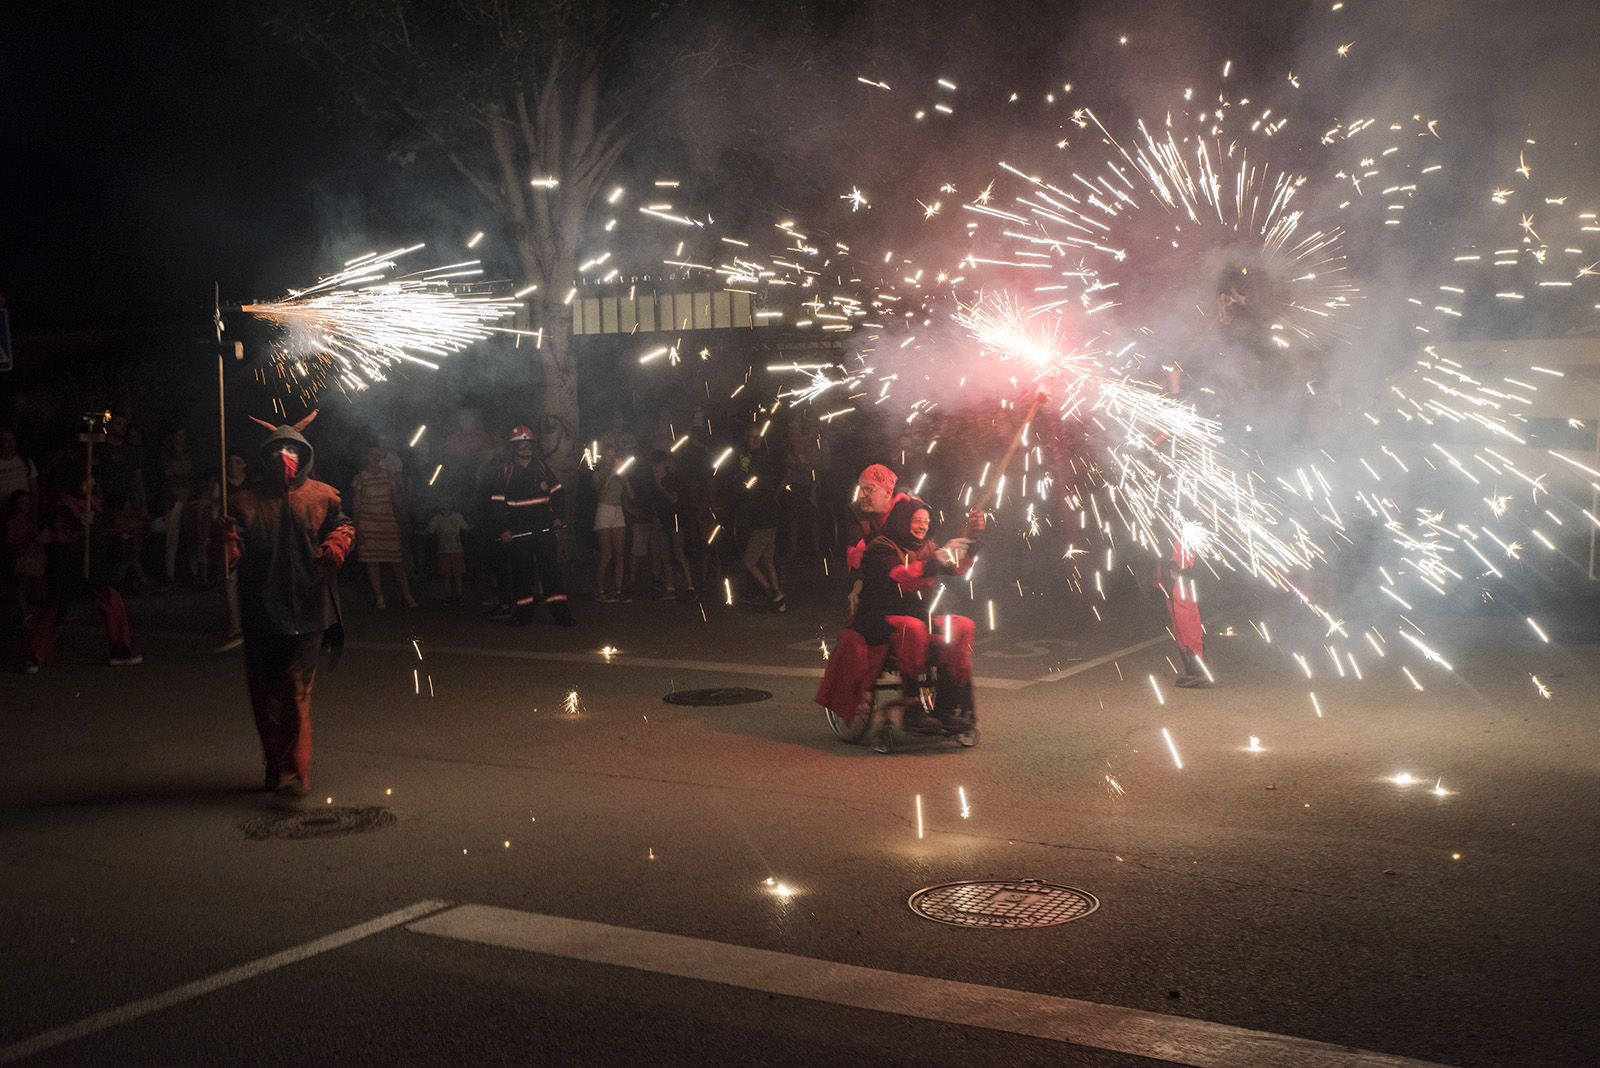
(1005, 461)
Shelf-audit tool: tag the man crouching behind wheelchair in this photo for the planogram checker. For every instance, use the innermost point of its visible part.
(899, 563)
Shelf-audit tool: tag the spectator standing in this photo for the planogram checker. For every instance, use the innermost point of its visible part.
(177, 486)
(447, 524)
(760, 481)
(615, 495)
(17, 472)
(25, 552)
(70, 519)
(238, 475)
(668, 499)
(378, 509)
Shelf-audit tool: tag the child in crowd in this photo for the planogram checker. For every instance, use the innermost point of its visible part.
(27, 554)
(446, 525)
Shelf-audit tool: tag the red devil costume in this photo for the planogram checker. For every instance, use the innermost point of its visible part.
(1184, 606)
(66, 522)
(525, 507)
(288, 537)
(896, 566)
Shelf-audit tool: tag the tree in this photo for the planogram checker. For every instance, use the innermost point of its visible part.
(531, 103)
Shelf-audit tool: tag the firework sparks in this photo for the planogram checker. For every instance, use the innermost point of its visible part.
(361, 322)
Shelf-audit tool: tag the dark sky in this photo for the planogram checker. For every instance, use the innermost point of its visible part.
(148, 149)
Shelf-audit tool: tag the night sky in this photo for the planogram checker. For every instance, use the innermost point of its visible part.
(151, 149)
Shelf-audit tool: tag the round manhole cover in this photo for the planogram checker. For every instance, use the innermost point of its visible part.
(997, 905)
(723, 695)
(326, 822)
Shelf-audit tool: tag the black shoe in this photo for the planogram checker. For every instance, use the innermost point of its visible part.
(561, 615)
(273, 777)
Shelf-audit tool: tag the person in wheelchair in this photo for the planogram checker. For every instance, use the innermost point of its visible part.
(900, 562)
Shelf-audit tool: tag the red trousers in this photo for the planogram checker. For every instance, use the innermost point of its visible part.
(1186, 621)
(855, 665)
(48, 625)
(280, 670)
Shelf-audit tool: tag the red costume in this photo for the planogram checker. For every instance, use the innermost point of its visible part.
(1184, 607)
(895, 567)
(288, 538)
(67, 521)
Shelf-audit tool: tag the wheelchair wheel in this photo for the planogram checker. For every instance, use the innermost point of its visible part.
(855, 731)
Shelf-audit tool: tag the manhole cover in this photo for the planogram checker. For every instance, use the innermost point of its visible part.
(326, 822)
(725, 695)
(1021, 903)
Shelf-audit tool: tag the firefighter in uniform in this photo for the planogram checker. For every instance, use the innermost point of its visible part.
(525, 506)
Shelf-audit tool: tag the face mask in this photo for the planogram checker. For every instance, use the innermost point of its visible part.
(287, 464)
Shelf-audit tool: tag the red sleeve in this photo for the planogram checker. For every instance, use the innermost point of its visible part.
(853, 555)
(914, 575)
(338, 533)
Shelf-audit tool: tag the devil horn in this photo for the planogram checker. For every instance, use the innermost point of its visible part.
(263, 422)
(305, 422)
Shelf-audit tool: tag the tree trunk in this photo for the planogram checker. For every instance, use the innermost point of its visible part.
(559, 427)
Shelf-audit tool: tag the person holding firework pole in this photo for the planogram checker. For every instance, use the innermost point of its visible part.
(1184, 606)
(525, 504)
(288, 536)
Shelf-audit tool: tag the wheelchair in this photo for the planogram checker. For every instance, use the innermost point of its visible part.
(886, 714)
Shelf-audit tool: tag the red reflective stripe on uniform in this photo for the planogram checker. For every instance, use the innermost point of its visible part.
(526, 600)
(497, 496)
(526, 503)
(553, 598)
(555, 487)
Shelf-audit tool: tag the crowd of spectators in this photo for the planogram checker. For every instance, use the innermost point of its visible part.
(656, 509)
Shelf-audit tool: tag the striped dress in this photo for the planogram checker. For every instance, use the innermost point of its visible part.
(377, 522)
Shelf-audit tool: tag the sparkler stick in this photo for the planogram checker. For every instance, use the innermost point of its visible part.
(1005, 460)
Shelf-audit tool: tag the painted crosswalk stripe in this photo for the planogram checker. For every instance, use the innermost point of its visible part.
(1174, 1039)
(199, 988)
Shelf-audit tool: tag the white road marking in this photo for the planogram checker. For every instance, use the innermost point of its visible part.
(144, 1006)
(1174, 1039)
(1057, 676)
(720, 666)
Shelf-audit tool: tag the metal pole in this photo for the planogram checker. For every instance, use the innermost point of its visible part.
(88, 498)
(222, 416)
(222, 439)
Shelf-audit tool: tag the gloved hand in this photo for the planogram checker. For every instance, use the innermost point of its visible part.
(951, 553)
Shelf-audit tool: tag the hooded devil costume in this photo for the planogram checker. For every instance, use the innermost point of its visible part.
(287, 536)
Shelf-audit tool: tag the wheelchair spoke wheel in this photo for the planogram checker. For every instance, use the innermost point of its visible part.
(854, 731)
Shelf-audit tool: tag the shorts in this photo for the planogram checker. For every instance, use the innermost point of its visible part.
(610, 517)
(452, 565)
(760, 547)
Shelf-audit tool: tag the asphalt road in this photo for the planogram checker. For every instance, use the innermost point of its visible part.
(1295, 891)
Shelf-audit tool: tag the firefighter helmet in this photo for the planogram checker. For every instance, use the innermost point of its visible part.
(521, 433)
